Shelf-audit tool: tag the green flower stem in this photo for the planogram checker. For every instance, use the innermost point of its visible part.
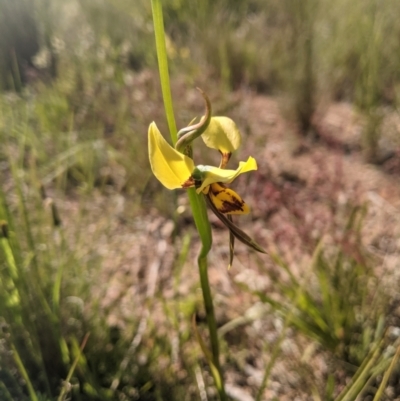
(158, 23)
(197, 202)
(203, 226)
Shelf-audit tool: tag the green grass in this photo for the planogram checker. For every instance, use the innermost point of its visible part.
(339, 312)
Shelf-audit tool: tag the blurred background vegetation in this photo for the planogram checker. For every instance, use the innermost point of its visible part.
(79, 87)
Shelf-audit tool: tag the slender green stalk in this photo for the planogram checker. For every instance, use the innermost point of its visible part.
(386, 376)
(5, 393)
(158, 23)
(357, 383)
(197, 202)
(198, 206)
(24, 374)
(72, 369)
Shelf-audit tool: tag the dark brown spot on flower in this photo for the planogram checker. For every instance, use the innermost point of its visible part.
(190, 182)
(232, 205)
(231, 202)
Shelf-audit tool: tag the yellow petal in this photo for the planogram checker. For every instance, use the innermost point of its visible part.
(214, 174)
(226, 200)
(222, 134)
(171, 167)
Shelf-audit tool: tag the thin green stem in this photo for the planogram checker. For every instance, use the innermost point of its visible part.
(197, 202)
(200, 217)
(205, 286)
(72, 369)
(203, 226)
(386, 376)
(24, 374)
(159, 32)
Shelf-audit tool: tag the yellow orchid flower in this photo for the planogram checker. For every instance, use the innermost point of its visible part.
(175, 170)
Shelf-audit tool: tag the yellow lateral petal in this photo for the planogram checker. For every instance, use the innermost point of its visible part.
(227, 201)
(171, 167)
(222, 134)
(215, 174)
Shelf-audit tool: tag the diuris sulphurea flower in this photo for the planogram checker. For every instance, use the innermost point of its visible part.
(175, 168)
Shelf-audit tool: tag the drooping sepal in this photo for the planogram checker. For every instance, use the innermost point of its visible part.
(231, 245)
(235, 230)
